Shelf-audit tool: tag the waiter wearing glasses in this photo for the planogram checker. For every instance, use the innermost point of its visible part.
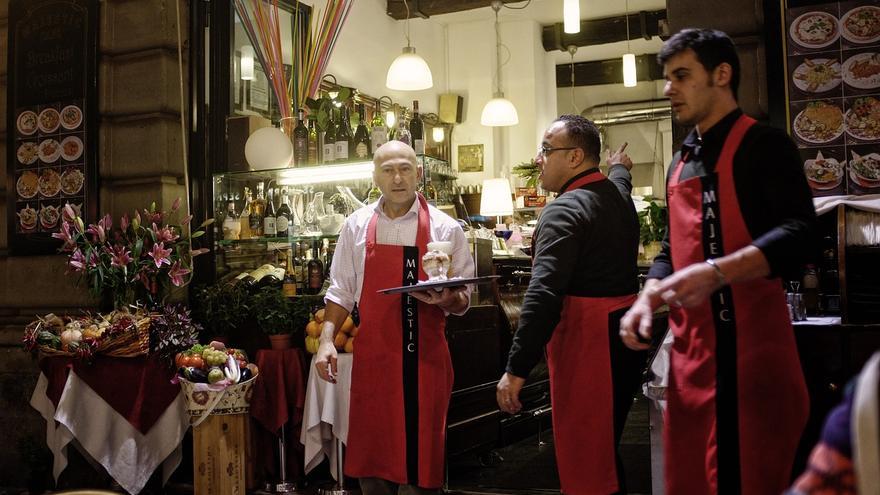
(584, 277)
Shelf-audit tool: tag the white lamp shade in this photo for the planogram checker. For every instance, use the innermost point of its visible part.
(629, 70)
(571, 16)
(390, 119)
(499, 112)
(409, 72)
(439, 134)
(247, 63)
(496, 198)
(268, 148)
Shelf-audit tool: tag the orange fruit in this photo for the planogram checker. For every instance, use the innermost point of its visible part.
(319, 315)
(354, 332)
(313, 329)
(312, 344)
(348, 325)
(349, 345)
(340, 340)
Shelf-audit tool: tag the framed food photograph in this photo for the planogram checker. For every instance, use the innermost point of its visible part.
(831, 61)
(470, 158)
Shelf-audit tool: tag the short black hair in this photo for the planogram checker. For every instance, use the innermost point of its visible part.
(582, 133)
(712, 47)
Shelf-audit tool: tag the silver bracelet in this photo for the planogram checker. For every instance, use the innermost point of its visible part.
(722, 280)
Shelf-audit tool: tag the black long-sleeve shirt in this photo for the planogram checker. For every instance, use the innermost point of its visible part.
(585, 244)
(774, 197)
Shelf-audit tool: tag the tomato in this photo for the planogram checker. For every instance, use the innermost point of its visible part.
(178, 360)
(197, 362)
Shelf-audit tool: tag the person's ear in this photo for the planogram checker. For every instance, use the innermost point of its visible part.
(723, 74)
(576, 158)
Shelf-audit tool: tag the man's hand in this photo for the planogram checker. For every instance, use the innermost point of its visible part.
(507, 393)
(619, 157)
(636, 324)
(450, 299)
(325, 361)
(689, 287)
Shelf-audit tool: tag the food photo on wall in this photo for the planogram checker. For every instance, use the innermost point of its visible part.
(825, 170)
(863, 169)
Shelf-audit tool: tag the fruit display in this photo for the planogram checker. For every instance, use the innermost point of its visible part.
(119, 333)
(343, 337)
(214, 364)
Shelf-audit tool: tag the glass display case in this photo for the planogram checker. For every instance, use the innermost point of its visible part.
(283, 223)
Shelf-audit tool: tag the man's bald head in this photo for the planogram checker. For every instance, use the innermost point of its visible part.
(394, 149)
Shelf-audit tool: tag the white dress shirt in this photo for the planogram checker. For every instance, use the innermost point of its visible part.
(347, 268)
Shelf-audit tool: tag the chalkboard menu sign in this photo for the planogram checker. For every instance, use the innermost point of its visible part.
(51, 112)
(833, 84)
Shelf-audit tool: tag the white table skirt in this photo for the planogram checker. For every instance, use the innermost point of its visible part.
(325, 418)
(128, 455)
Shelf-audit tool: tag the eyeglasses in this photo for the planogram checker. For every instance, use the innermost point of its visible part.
(546, 150)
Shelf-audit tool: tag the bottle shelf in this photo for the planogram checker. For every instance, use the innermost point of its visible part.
(276, 240)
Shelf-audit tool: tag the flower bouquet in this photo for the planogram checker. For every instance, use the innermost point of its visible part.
(137, 261)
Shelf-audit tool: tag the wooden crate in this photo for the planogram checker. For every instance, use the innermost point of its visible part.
(220, 448)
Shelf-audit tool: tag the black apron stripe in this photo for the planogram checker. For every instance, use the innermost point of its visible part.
(410, 325)
(726, 396)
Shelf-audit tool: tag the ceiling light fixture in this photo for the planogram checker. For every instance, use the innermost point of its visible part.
(629, 60)
(409, 72)
(499, 111)
(571, 16)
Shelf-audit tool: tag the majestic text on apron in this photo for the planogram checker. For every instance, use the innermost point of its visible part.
(580, 354)
(737, 402)
(402, 372)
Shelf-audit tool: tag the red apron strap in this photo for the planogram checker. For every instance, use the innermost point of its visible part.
(673, 180)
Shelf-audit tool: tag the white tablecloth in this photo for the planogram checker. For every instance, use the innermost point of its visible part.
(128, 455)
(325, 418)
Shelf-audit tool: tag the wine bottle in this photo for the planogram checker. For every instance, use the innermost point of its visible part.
(343, 136)
(313, 143)
(288, 285)
(300, 141)
(245, 219)
(258, 211)
(402, 133)
(269, 225)
(283, 215)
(329, 148)
(416, 130)
(231, 224)
(316, 271)
(361, 137)
(378, 131)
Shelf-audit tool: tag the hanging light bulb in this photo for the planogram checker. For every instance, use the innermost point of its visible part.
(439, 134)
(409, 71)
(499, 111)
(571, 15)
(629, 59)
(247, 63)
(390, 118)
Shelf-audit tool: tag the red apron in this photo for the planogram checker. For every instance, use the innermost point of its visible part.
(581, 389)
(401, 373)
(737, 402)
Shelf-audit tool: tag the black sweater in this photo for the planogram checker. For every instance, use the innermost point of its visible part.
(585, 244)
(773, 194)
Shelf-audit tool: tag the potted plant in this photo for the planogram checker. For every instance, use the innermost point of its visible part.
(273, 313)
(221, 308)
(528, 170)
(171, 331)
(652, 226)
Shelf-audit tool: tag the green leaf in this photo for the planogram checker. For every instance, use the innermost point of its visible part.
(198, 233)
(206, 223)
(344, 94)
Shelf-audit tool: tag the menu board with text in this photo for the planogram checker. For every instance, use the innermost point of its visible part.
(833, 84)
(51, 110)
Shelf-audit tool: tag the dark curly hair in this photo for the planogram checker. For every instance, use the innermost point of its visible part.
(582, 133)
(712, 47)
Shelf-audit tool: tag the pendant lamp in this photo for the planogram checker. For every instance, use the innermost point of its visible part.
(499, 111)
(629, 59)
(409, 71)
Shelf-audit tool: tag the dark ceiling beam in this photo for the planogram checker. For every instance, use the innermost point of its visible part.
(644, 24)
(607, 71)
(427, 8)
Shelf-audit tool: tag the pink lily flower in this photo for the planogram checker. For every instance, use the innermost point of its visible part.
(125, 222)
(98, 233)
(176, 204)
(106, 222)
(165, 234)
(65, 235)
(177, 273)
(160, 254)
(119, 256)
(67, 213)
(77, 261)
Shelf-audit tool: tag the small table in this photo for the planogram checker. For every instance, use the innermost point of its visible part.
(325, 419)
(124, 413)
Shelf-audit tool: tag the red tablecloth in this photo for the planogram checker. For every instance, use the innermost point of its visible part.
(279, 399)
(139, 388)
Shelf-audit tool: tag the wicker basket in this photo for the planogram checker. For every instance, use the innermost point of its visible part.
(130, 343)
(202, 401)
